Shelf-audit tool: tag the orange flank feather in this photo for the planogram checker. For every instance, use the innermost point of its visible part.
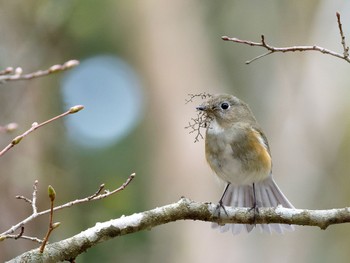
(257, 142)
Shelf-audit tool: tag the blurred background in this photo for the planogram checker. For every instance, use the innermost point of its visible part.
(139, 60)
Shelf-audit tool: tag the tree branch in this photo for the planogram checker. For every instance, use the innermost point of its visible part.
(184, 209)
(96, 196)
(10, 74)
(272, 49)
(35, 126)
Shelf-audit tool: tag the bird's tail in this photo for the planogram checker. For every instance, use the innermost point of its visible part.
(267, 194)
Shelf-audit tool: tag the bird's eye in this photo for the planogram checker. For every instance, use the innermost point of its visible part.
(224, 105)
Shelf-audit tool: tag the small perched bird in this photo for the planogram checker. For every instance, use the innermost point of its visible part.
(237, 151)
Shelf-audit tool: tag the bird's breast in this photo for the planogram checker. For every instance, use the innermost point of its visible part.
(237, 155)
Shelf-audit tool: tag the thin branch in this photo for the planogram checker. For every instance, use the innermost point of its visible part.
(10, 73)
(21, 236)
(52, 226)
(197, 124)
(21, 197)
(93, 197)
(35, 126)
(33, 239)
(20, 233)
(272, 49)
(99, 190)
(184, 209)
(35, 192)
(98, 195)
(345, 47)
(202, 96)
(201, 121)
(33, 201)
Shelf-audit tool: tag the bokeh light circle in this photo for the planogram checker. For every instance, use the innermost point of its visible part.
(111, 93)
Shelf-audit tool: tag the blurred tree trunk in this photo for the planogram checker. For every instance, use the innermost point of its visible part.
(178, 60)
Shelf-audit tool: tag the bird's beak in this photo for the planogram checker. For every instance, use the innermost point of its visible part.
(201, 108)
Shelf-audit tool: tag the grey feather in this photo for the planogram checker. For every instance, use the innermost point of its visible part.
(267, 194)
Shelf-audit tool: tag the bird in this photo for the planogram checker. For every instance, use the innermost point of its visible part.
(238, 152)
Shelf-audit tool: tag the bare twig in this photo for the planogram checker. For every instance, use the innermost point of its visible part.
(94, 197)
(197, 124)
(52, 226)
(202, 96)
(272, 49)
(35, 192)
(99, 190)
(20, 233)
(345, 47)
(33, 201)
(10, 73)
(201, 121)
(24, 198)
(35, 126)
(98, 195)
(21, 236)
(34, 239)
